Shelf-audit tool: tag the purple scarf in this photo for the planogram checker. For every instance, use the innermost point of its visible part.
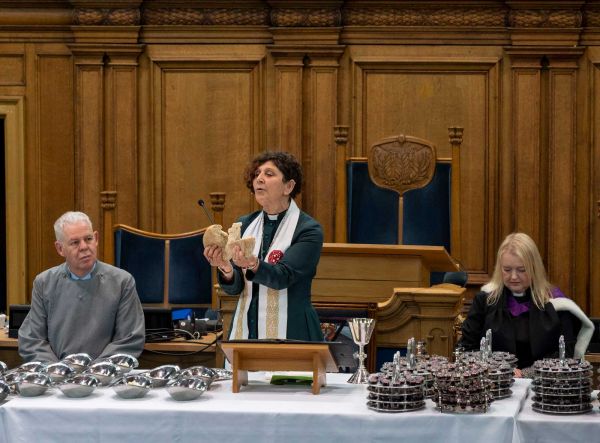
(516, 308)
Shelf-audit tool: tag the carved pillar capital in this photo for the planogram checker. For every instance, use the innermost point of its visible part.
(340, 132)
(455, 134)
(108, 199)
(217, 204)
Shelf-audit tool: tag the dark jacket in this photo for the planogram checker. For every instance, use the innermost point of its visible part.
(545, 327)
(295, 271)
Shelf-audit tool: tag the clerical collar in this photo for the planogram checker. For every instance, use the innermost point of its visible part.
(273, 217)
(518, 294)
(87, 276)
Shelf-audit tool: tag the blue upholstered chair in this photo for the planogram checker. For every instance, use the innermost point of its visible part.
(373, 212)
(169, 270)
(403, 194)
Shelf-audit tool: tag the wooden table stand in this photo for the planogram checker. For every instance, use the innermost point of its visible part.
(257, 356)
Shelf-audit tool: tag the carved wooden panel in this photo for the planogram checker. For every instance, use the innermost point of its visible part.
(318, 158)
(13, 69)
(524, 191)
(594, 211)
(121, 174)
(423, 313)
(287, 111)
(12, 119)
(541, 177)
(89, 139)
(206, 128)
(561, 181)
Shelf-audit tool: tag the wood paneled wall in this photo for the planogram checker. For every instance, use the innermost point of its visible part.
(132, 110)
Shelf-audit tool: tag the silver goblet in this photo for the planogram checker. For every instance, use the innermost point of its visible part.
(361, 329)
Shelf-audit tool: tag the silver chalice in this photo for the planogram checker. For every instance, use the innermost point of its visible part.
(361, 329)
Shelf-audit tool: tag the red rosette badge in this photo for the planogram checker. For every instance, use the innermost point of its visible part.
(275, 256)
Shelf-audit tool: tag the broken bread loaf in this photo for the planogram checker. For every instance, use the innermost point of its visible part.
(214, 235)
(234, 239)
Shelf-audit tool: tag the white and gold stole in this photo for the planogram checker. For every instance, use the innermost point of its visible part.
(272, 303)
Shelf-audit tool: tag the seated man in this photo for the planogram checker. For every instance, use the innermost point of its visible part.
(82, 305)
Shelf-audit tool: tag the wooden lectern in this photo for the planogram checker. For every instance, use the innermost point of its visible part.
(370, 273)
(258, 355)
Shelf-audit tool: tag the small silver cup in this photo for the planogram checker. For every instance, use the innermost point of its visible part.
(361, 329)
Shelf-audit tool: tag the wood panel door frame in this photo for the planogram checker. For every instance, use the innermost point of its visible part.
(12, 112)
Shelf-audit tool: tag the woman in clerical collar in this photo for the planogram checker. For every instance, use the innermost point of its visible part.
(274, 282)
(525, 312)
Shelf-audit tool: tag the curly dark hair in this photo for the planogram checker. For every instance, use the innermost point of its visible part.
(285, 162)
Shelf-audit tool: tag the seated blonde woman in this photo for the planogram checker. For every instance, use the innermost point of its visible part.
(526, 314)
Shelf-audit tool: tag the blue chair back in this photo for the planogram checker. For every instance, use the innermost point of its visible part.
(373, 211)
(169, 270)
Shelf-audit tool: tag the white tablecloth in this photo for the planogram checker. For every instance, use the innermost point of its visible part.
(535, 427)
(260, 412)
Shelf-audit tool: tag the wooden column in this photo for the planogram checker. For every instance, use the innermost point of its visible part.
(217, 205)
(341, 183)
(120, 196)
(455, 134)
(106, 53)
(89, 130)
(305, 97)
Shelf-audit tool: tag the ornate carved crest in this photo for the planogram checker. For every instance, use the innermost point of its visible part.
(402, 163)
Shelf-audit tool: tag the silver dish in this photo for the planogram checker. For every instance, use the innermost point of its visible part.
(104, 371)
(33, 384)
(11, 378)
(132, 386)
(78, 361)
(186, 389)
(125, 362)
(3, 368)
(58, 372)
(161, 375)
(80, 385)
(4, 390)
(32, 366)
(207, 374)
(223, 374)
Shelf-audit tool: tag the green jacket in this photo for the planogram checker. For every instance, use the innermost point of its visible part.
(295, 271)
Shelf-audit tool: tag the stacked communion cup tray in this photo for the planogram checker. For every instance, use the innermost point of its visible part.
(463, 387)
(501, 367)
(78, 376)
(400, 387)
(395, 393)
(417, 362)
(562, 386)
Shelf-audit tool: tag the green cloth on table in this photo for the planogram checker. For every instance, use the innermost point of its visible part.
(291, 380)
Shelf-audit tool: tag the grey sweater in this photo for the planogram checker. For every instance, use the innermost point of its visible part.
(101, 316)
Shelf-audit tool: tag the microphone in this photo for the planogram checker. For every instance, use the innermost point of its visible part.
(201, 203)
